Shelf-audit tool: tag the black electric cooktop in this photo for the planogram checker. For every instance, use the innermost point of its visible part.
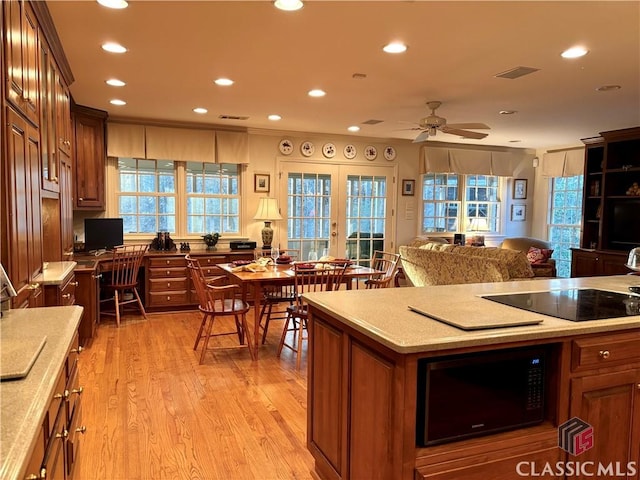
(574, 304)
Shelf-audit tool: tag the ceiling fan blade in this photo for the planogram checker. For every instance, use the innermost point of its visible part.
(422, 137)
(472, 126)
(463, 133)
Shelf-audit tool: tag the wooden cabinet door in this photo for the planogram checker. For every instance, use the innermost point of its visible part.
(50, 164)
(612, 264)
(607, 403)
(21, 65)
(583, 264)
(87, 296)
(90, 156)
(24, 229)
(63, 115)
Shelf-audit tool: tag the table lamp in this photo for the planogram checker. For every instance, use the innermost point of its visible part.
(268, 211)
(478, 225)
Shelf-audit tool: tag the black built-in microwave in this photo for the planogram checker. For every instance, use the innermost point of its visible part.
(465, 396)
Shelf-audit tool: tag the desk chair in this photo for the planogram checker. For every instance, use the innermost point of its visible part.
(125, 265)
(276, 295)
(216, 301)
(323, 276)
(384, 262)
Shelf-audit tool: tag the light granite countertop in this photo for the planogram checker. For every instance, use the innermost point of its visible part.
(383, 314)
(25, 402)
(56, 272)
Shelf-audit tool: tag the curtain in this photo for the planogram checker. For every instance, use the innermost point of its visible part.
(563, 163)
(182, 144)
(232, 147)
(125, 140)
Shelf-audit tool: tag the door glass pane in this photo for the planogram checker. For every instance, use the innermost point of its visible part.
(309, 212)
(366, 205)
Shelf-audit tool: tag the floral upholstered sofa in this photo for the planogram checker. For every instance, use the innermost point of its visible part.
(431, 263)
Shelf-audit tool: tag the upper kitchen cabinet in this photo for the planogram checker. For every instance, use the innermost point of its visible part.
(90, 157)
(50, 164)
(21, 58)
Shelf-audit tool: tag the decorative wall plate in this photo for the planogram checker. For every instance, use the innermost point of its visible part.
(370, 152)
(307, 149)
(285, 146)
(350, 151)
(389, 153)
(329, 150)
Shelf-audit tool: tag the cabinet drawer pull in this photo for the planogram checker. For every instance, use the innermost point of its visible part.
(604, 354)
(81, 429)
(63, 434)
(168, 284)
(66, 296)
(34, 286)
(168, 262)
(77, 350)
(33, 476)
(168, 297)
(81, 199)
(77, 390)
(96, 276)
(59, 395)
(168, 272)
(75, 284)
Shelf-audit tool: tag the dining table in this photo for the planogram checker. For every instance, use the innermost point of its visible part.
(278, 274)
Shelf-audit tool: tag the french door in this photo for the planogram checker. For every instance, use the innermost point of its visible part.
(343, 211)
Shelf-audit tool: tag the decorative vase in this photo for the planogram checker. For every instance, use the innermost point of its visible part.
(267, 235)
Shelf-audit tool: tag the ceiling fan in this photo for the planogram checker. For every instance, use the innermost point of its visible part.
(430, 125)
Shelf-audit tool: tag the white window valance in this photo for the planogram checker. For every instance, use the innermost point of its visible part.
(232, 147)
(471, 162)
(174, 143)
(182, 144)
(125, 140)
(563, 163)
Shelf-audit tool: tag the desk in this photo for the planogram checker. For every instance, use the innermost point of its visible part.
(280, 275)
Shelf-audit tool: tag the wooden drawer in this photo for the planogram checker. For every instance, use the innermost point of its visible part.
(168, 272)
(76, 430)
(72, 357)
(605, 351)
(169, 299)
(35, 462)
(74, 392)
(68, 292)
(53, 463)
(167, 285)
(212, 260)
(55, 404)
(167, 262)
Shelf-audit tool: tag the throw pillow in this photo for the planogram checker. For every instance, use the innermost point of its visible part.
(539, 255)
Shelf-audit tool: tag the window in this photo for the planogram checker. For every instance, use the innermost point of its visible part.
(213, 200)
(450, 202)
(153, 196)
(147, 195)
(564, 221)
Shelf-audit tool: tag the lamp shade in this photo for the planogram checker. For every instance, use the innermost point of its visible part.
(267, 209)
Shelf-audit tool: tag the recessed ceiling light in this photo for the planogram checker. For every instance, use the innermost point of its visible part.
(114, 82)
(113, 47)
(288, 5)
(574, 52)
(508, 112)
(395, 47)
(274, 118)
(317, 93)
(116, 101)
(200, 110)
(118, 4)
(607, 88)
(354, 128)
(223, 82)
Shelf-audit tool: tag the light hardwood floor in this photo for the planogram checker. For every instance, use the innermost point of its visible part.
(152, 412)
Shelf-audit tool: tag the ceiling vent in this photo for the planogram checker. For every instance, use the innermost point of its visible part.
(372, 122)
(517, 72)
(232, 117)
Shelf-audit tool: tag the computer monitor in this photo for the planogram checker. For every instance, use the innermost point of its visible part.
(102, 233)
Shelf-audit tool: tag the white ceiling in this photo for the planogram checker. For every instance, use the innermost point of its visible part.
(177, 49)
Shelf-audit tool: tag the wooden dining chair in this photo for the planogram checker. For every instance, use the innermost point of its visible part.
(217, 301)
(308, 277)
(274, 296)
(123, 283)
(387, 263)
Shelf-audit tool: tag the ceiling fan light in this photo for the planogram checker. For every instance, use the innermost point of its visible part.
(574, 52)
(288, 5)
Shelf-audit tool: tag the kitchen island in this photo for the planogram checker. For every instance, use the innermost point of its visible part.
(364, 352)
(41, 412)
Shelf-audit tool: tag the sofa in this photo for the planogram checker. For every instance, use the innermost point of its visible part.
(434, 263)
(538, 252)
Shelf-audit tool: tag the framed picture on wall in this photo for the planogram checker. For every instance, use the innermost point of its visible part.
(518, 213)
(261, 182)
(408, 187)
(520, 189)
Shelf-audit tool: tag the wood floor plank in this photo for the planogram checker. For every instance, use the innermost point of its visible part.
(153, 412)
